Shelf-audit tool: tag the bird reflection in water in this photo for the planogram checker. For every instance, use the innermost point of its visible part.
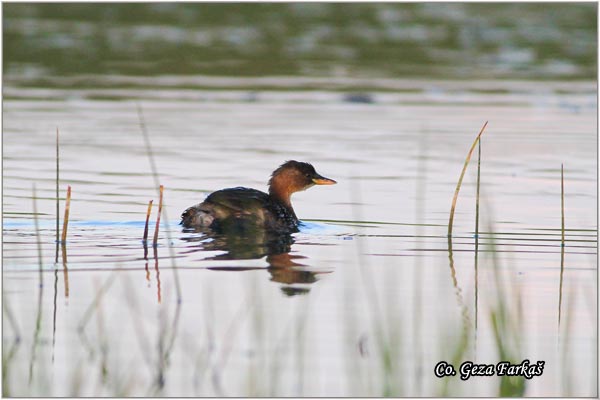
(249, 242)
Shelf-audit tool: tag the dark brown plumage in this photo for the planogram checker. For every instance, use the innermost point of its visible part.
(240, 209)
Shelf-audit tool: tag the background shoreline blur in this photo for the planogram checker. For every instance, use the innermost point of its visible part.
(458, 41)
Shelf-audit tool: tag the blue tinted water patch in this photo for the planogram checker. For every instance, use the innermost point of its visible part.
(320, 228)
(110, 223)
(305, 227)
(15, 223)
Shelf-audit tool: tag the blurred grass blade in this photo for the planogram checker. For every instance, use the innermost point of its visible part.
(562, 239)
(477, 232)
(38, 320)
(156, 183)
(57, 199)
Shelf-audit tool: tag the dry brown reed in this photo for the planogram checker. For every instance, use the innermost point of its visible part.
(160, 204)
(145, 239)
(462, 174)
(66, 219)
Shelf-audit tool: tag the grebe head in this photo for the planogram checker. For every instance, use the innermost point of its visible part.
(294, 176)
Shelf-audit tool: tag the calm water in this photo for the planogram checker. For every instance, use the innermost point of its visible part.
(368, 276)
(368, 297)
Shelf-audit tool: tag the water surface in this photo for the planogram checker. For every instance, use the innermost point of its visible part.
(370, 295)
(367, 277)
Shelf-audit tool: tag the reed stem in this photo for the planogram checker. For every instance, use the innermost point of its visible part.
(37, 235)
(54, 309)
(160, 203)
(477, 231)
(157, 275)
(462, 174)
(145, 238)
(562, 239)
(65, 269)
(38, 321)
(66, 219)
(156, 182)
(57, 198)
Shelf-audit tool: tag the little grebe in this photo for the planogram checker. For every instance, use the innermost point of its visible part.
(229, 208)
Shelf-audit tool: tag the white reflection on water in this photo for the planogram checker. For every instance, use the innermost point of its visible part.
(311, 327)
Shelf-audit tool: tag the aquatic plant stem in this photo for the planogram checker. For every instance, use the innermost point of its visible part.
(157, 184)
(562, 238)
(477, 234)
(94, 304)
(145, 238)
(66, 219)
(65, 269)
(464, 340)
(458, 291)
(57, 199)
(505, 312)
(148, 146)
(462, 174)
(54, 308)
(420, 206)
(37, 235)
(160, 203)
(158, 296)
(175, 325)
(9, 354)
(38, 321)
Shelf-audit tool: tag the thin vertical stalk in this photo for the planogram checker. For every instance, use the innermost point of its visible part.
(156, 182)
(145, 238)
(477, 234)
(95, 302)
(66, 219)
(37, 235)
(167, 233)
(458, 289)
(38, 321)
(562, 238)
(158, 296)
(420, 205)
(160, 203)
(57, 199)
(9, 353)
(65, 269)
(462, 174)
(57, 242)
(54, 311)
